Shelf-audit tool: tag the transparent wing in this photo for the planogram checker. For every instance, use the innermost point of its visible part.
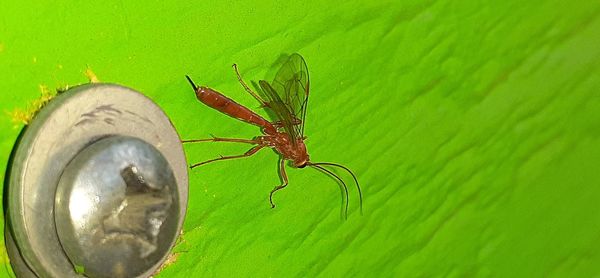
(276, 104)
(291, 85)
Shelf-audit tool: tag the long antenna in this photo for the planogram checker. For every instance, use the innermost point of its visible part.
(192, 82)
(353, 176)
(340, 180)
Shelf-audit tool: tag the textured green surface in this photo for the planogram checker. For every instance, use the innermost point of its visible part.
(474, 128)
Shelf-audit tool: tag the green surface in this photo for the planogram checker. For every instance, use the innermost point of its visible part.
(474, 128)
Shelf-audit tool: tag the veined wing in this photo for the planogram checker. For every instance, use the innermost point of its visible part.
(288, 95)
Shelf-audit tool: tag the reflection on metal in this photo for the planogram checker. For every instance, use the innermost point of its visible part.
(98, 187)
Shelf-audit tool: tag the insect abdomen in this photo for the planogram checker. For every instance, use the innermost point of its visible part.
(228, 106)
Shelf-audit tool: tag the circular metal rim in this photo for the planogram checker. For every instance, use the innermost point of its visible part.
(69, 123)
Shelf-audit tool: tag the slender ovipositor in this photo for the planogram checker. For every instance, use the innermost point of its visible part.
(287, 97)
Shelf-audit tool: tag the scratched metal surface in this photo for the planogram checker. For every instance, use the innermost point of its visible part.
(474, 128)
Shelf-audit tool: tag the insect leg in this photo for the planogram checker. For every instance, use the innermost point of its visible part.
(218, 139)
(279, 124)
(246, 154)
(247, 88)
(285, 181)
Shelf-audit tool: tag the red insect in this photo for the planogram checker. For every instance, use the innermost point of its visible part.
(286, 97)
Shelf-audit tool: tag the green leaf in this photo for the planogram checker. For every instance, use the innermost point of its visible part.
(473, 127)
